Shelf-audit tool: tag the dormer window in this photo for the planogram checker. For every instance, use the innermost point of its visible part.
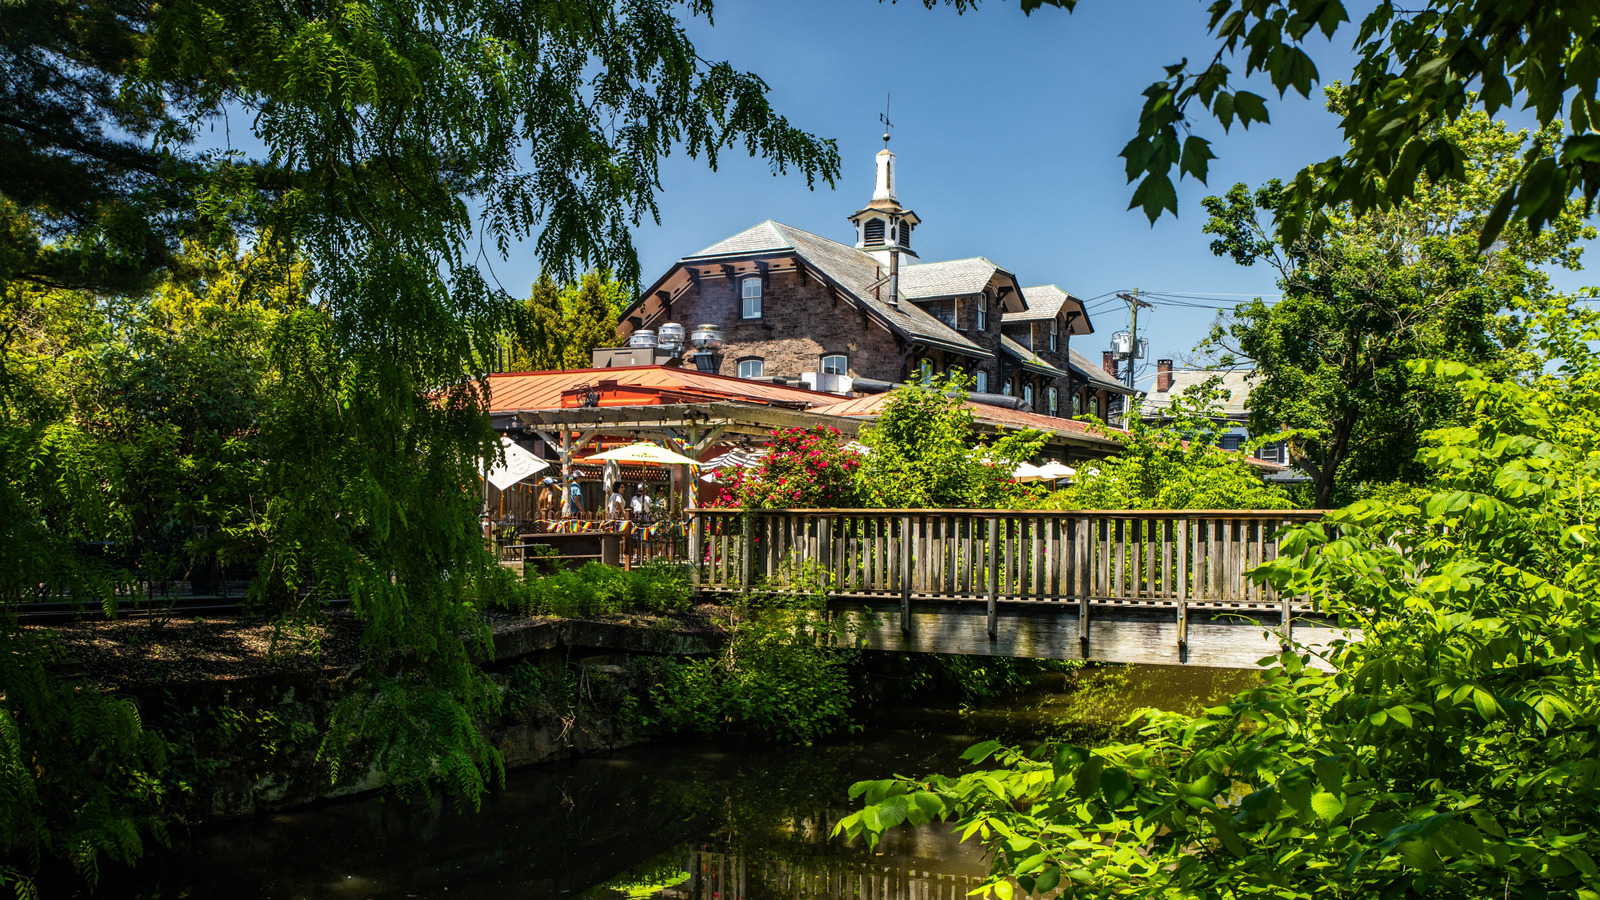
(873, 232)
(750, 294)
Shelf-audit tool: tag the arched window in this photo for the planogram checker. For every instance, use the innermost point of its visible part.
(835, 364)
(754, 367)
(982, 386)
(1006, 389)
(1027, 395)
(750, 292)
(873, 233)
(1054, 400)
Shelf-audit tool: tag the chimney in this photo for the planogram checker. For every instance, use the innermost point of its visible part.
(1108, 361)
(1163, 375)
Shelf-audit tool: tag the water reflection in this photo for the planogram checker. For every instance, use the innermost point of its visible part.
(682, 820)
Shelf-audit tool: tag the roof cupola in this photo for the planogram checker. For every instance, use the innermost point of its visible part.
(883, 226)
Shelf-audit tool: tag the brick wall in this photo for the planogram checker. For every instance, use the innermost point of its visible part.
(800, 323)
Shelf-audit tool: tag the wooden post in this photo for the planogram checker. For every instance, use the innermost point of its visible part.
(747, 562)
(1083, 589)
(905, 574)
(696, 542)
(1180, 572)
(994, 578)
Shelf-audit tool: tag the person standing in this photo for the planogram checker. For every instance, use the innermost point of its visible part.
(549, 499)
(575, 492)
(616, 508)
(641, 505)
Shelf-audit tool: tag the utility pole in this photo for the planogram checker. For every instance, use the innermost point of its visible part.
(1134, 303)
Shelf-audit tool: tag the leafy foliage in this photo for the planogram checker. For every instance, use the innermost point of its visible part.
(599, 590)
(920, 453)
(1173, 464)
(803, 468)
(395, 137)
(1370, 294)
(557, 327)
(779, 675)
(1452, 751)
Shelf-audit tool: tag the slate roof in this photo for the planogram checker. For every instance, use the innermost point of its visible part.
(1095, 375)
(852, 270)
(956, 277)
(1029, 359)
(1237, 382)
(1044, 302)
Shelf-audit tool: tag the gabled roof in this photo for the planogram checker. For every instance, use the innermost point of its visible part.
(951, 278)
(756, 239)
(513, 391)
(1029, 359)
(1095, 375)
(852, 271)
(1237, 382)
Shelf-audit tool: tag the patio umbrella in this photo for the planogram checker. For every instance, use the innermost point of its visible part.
(643, 452)
(741, 458)
(1029, 472)
(1054, 470)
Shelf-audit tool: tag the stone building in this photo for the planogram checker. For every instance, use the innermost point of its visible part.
(793, 304)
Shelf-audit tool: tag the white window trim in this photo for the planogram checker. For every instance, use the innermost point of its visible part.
(981, 384)
(983, 312)
(760, 363)
(744, 299)
(822, 365)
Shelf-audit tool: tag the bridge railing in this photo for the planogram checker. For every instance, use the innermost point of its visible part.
(1178, 559)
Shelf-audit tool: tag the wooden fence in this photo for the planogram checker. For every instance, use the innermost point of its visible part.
(1178, 560)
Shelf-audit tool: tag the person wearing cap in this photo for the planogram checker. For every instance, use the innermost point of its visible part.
(575, 491)
(641, 505)
(549, 499)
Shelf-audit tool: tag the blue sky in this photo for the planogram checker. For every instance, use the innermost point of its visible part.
(1007, 130)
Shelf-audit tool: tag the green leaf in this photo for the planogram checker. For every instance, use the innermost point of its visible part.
(1250, 107)
(1154, 194)
(1196, 158)
(1327, 806)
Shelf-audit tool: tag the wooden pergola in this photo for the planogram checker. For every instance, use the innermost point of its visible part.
(687, 428)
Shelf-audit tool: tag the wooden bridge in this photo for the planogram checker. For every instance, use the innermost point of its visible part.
(1165, 587)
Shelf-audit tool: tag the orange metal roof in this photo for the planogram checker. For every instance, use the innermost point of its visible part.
(511, 391)
(872, 405)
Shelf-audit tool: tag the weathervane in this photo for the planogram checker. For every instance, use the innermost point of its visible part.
(884, 118)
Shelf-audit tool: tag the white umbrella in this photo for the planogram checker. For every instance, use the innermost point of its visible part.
(858, 447)
(643, 452)
(740, 458)
(1054, 470)
(519, 464)
(1026, 471)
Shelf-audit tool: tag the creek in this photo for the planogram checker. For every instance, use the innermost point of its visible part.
(680, 819)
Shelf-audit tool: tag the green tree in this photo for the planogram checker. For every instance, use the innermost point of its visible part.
(1370, 294)
(1451, 751)
(921, 453)
(1175, 464)
(539, 332)
(392, 136)
(590, 306)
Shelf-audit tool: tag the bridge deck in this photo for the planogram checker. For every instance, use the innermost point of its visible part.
(1139, 586)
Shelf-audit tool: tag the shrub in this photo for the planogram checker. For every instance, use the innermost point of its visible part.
(599, 590)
